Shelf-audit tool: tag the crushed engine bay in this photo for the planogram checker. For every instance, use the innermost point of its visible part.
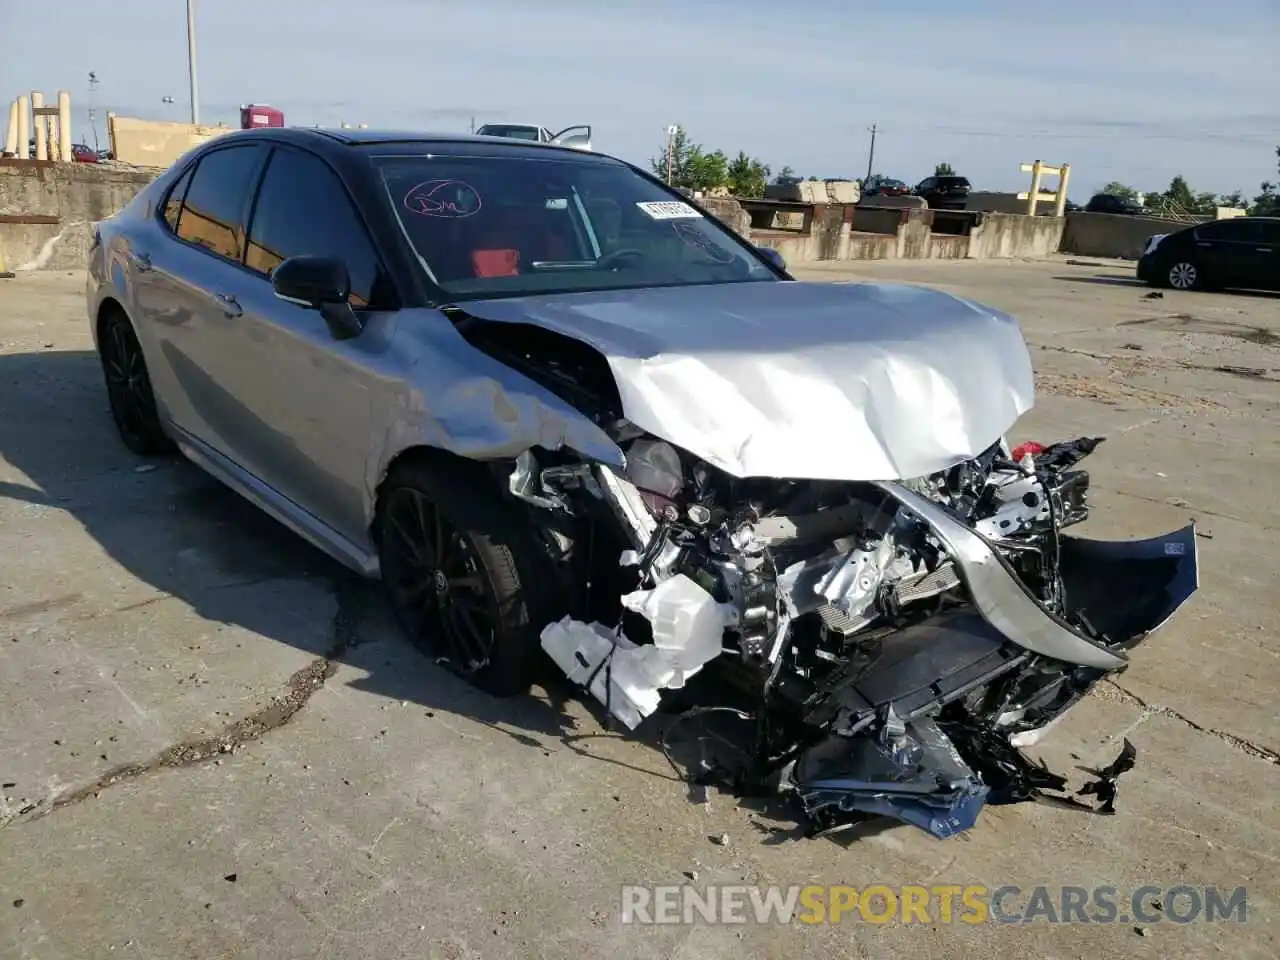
(896, 643)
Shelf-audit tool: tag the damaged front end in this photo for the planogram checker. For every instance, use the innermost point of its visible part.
(899, 642)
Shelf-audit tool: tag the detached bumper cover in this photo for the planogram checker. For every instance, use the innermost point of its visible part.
(935, 766)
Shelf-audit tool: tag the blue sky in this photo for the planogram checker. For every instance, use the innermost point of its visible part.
(1135, 90)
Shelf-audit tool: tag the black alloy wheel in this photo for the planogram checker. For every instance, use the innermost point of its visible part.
(438, 585)
(133, 405)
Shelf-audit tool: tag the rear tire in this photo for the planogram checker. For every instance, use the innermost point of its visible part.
(460, 564)
(133, 404)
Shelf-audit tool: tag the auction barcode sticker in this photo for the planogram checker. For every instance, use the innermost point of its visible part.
(668, 210)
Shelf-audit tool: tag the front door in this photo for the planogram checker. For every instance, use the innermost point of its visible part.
(306, 396)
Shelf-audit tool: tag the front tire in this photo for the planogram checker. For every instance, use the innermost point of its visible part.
(1184, 275)
(460, 566)
(133, 404)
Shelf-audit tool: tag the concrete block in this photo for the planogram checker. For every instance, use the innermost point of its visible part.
(843, 191)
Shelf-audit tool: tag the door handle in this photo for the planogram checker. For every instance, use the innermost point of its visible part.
(1264, 250)
(230, 307)
(141, 261)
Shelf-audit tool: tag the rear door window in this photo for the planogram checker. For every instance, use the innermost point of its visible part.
(213, 211)
(303, 209)
(173, 203)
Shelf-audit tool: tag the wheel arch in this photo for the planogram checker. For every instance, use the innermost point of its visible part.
(108, 307)
(465, 470)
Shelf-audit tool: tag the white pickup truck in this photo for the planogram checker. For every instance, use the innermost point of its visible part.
(578, 136)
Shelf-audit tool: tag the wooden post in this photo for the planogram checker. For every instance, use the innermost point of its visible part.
(24, 128)
(1064, 179)
(1037, 171)
(42, 129)
(64, 126)
(11, 130)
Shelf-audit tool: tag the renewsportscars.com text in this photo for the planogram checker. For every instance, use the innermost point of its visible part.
(933, 904)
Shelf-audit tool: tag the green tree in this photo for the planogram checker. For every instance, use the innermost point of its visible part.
(692, 167)
(747, 176)
(1268, 201)
(1180, 198)
(1117, 189)
(1179, 194)
(944, 170)
(786, 176)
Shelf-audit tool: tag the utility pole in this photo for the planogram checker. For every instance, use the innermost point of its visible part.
(473, 124)
(871, 157)
(191, 60)
(93, 107)
(671, 143)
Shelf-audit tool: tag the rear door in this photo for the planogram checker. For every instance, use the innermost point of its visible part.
(1270, 279)
(1230, 252)
(190, 289)
(1259, 252)
(306, 396)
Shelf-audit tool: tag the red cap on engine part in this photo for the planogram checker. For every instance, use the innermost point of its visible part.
(1030, 447)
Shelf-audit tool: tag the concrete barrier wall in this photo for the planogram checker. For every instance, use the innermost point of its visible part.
(154, 143)
(1015, 235)
(1112, 234)
(853, 232)
(878, 220)
(46, 209)
(729, 212)
(902, 200)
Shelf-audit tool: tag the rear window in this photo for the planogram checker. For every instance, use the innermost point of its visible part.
(953, 181)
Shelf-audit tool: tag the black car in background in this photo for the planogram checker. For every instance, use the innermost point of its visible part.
(943, 193)
(1239, 252)
(1114, 203)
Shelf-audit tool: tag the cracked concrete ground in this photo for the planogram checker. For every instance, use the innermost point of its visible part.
(215, 744)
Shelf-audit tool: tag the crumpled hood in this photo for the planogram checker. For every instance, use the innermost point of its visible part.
(801, 380)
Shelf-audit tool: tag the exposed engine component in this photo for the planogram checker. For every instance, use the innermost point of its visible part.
(873, 622)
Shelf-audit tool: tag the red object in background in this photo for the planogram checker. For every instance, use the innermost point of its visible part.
(256, 115)
(496, 263)
(1023, 449)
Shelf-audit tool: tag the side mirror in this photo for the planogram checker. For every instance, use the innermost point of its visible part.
(319, 283)
(773, 256)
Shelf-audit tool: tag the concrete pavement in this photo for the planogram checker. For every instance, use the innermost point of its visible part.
(216, 745)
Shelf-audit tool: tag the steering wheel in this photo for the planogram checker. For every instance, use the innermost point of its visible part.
(615, 259)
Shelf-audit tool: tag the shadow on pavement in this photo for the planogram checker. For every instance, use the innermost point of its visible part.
(177, 529)
(1116, 281)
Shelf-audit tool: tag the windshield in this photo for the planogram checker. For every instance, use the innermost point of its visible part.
(508, 226)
